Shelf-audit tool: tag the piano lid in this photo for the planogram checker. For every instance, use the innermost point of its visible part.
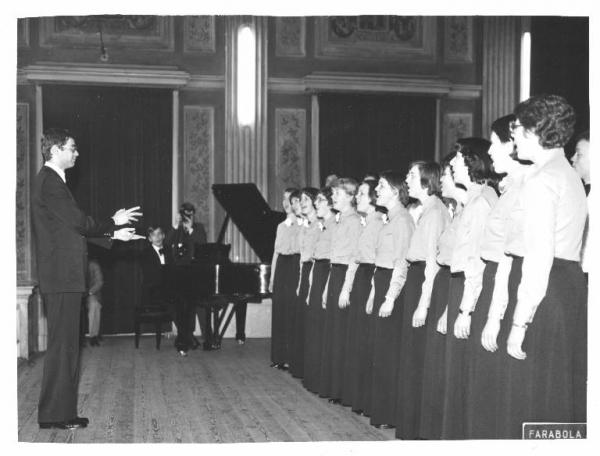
(252, 215)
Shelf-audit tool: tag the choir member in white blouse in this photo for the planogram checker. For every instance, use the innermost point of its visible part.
(472, 169)
(548, 333)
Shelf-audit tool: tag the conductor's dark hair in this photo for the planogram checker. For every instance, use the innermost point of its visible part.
(550, 117)
(53, 137)
(396, 180)
(477, 160)
(430, 173)
(327, 192)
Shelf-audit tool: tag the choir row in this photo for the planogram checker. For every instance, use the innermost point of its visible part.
(462, 316)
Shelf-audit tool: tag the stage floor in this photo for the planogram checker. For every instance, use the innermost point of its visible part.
(155, 396)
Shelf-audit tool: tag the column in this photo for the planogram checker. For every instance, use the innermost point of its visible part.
(245, 145)
(500, 68)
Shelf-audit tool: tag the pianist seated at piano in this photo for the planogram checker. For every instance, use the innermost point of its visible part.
(154, 256)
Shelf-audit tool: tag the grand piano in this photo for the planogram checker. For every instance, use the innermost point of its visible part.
(216, 282)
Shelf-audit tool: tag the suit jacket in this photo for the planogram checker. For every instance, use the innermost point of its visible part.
(189, 242)
(153, 275)
(60, 229)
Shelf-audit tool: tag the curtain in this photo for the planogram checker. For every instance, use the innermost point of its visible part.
(373, 133)
(124, 139)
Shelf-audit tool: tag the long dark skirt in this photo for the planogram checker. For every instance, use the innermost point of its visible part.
(340, 329)
(546, 386)
(412, 357)
(385, 353)
(453, 420)
(432, 398)
(297, 358)
(329, 343)
(481, 399)
(357, 353)
(313, 328)
(290, 323)
(285, 268)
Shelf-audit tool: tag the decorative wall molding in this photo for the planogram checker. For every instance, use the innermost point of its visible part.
(290, 36)
(198, 161)
(458, 39)
(23, 293)
(201, 81)
(138, 75)
(23, 226)
(199, 34)
(376, 37)
(23, 33)
(290, 148)
(118, 31)
(369, 82)
(457, 125)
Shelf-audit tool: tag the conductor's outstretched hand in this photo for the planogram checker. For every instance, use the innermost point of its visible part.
(126, 234)
(125, 216)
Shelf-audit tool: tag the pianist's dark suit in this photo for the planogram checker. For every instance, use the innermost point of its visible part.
(154, 288)
(60, 229)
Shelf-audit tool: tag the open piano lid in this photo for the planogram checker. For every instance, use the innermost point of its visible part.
(252, 215)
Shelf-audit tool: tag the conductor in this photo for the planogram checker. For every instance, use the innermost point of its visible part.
(60, 230)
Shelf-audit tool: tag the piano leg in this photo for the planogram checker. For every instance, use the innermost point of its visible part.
(240, 322)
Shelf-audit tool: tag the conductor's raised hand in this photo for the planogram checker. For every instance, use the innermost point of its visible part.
(125, 216)
(126, 234)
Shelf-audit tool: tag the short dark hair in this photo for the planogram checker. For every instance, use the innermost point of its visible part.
(550, 117)
(430, 173)
(295, 194)
(501, 127)
(53, 137)
(152, 228)
(477, 160)
(396, 180)
(311, 192)
(327, 192)
(372, 184)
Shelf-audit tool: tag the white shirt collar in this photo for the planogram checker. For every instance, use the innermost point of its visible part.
(157, 249)
(60, 172)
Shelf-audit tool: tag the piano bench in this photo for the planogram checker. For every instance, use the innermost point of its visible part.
(150, 314)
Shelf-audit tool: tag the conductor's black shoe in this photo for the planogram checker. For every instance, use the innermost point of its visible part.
(70, 424)
(334, 401)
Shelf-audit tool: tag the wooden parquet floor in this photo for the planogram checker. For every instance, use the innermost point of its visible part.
(153, 396)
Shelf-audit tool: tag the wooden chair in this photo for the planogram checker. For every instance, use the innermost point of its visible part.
(156, 313)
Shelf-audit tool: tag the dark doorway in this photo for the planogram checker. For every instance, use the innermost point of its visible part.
(373, 133)
(560, 63)
(124, 138)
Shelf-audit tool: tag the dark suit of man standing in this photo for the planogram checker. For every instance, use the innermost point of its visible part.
(60, 230)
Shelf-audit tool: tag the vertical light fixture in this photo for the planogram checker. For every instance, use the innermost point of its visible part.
(246, 76)
(525, 85)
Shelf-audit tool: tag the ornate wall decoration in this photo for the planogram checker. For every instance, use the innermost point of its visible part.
(198, 154)
(458, 39)
(290, 36)
(290, 147)
(23, 234)
(118, 31)
(23, 33)
(412, 37)
(456, 125)
(199, 33)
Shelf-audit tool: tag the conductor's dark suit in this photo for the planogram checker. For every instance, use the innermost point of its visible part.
(60, 230)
